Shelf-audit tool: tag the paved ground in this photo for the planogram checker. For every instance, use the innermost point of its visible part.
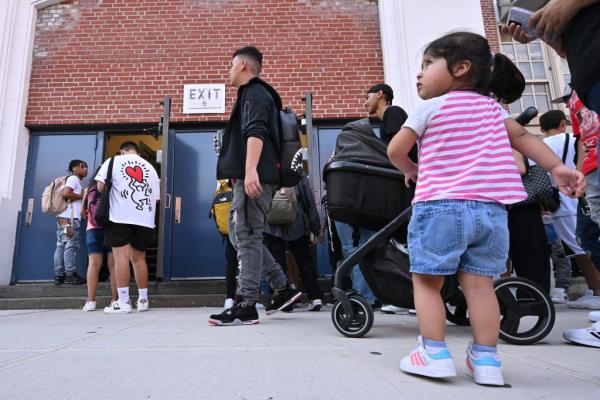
(174, 354)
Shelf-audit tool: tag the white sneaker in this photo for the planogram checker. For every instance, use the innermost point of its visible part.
(142, 305)
(390, 309)
(116, 308)
(485, 369)
(315, 305)
(89, 306)
(229, 302)
(559, 296)
(435, 365)
(576, 303)
(590, 302)
(594, 316)
(589, 336)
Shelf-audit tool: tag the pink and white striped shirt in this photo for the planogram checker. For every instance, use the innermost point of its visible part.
(464, 150)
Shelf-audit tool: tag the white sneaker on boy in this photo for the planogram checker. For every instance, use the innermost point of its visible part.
(559, 296)
(594, 316)
(434, 365)
(142, 305)
(589, 336)
(116, 308)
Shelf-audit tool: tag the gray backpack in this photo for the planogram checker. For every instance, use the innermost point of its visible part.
(284, 207)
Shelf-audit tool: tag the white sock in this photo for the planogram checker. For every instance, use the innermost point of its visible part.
(123, 295)
(143, 294)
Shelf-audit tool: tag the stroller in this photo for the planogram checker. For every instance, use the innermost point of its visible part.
(527, 312)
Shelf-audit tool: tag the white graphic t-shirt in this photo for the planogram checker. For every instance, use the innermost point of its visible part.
(134, 192)
(75, 184)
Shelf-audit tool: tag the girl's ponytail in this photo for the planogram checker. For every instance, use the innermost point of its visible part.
(507, 83)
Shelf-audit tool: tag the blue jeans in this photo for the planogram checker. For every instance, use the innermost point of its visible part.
(359, 283)
(65, 255)
(449, 235)
(588, 236)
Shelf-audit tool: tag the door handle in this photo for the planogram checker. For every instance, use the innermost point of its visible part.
(167, 200)
(177, 210)
(29, 215)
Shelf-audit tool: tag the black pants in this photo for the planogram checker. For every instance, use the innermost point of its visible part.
(529, 251)
(302, 250)
(231, 269)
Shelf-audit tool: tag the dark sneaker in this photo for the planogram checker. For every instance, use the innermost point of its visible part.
(240, 314)
(74, 279)
(59, 280)
(282, 300)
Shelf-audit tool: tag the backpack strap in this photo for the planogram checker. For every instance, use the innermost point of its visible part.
(566, 148)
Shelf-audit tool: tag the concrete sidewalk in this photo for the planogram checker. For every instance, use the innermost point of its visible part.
(175, 354)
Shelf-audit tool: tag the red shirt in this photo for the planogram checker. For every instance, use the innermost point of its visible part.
(586, 125)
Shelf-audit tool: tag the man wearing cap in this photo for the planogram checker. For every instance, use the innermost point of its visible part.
(379, 102)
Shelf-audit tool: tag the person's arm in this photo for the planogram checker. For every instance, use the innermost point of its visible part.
(520, 161)
(550, 21)
(68, 192)
(569, 181)
(84, 205)
(252, 185)
(398, 150)
(580, 155)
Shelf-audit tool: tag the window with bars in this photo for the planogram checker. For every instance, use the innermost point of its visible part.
(529, 58)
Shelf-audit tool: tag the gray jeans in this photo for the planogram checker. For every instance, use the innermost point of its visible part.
(246, 225)
(65, 255)
(592, 195)
(562, 265)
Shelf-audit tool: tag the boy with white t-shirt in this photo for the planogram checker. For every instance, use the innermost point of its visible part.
(67, 227)
(135, 191)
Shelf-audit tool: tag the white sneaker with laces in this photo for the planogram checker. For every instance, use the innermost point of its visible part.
(577, 302)
(594, 316)
(142, 305)
(434, 365)
(116, 308)
(229, 302)
(390, 309)
(485, 369)
(89, 306)
(559, 296)
(315, 305)
(589, 336)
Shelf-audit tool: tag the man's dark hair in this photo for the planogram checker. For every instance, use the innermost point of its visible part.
(252, 53)
(128, 146)
(75, 163)
(552, 119)
(388, 92)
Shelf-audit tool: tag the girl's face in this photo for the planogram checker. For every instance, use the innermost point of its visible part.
(434, 80)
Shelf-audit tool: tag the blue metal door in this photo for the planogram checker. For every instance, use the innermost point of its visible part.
(196, 247)
(49, 156)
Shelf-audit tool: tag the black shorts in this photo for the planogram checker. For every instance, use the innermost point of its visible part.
(117, 235)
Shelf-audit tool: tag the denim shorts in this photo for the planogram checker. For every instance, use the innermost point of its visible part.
(449, 235)
(94, 239)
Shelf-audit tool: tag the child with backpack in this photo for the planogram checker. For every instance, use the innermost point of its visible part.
(95, 246)
(465, 177)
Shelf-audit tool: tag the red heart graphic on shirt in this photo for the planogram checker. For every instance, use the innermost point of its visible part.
(135, 172)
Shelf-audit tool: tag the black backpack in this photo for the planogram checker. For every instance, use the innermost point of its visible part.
(290, 152)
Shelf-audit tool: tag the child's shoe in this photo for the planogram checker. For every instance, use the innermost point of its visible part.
(434, 365)
(485, 368)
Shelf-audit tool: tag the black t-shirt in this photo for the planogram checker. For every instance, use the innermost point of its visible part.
(582, 42)
(393, 119)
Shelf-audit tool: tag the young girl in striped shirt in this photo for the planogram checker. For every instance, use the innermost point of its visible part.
(465, 177)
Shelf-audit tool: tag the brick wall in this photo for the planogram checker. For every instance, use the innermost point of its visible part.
(112, 61)
(490, 24)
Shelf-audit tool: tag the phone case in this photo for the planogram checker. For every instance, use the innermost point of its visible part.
(521, 17)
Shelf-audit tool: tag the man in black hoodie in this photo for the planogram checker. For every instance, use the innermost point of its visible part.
(249, 156)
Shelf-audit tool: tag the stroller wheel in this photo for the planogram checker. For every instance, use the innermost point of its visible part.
(359, 325)
(527, 313)
(456, 310)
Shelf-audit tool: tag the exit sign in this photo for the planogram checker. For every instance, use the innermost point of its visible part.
(204, 99)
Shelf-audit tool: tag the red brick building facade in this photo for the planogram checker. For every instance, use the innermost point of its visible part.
(112, 61)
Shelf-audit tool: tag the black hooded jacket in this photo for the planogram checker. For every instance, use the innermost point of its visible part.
(255, 114)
